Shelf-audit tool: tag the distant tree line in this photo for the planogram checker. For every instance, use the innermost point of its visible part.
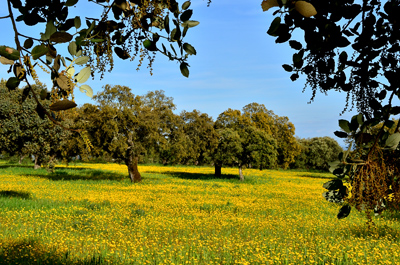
(131, 129)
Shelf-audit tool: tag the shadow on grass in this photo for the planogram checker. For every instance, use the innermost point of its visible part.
(200, 176)
(15, 194)
(81, 174)
(374, 231)
(31, 252)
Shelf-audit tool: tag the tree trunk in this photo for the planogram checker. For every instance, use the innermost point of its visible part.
(241, 177)
(131, 163)
(217, 170)
(37, 162)
(21, 157)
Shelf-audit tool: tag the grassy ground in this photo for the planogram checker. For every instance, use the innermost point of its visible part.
(92, 214)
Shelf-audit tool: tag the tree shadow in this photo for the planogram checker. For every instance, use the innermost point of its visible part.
(15, 194)
(15, 165)
(199, 176)
(80, 174)
(32, 252)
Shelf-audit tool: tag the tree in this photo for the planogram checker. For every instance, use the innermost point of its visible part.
(318, 152)
(248, 145)
(351, 47)
(128, 29)
(23, 133)
(280, 128)
(126, 126)
(203, 139)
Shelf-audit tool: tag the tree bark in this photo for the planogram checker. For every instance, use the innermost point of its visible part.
(241, 177)
(131, 163)
(217, 170)
(21, 158)
(37, 162)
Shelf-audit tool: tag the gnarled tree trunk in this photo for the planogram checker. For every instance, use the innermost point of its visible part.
(131, 163)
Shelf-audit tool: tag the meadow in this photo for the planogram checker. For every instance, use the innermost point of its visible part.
(92, 214)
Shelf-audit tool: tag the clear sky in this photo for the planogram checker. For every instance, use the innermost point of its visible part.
(237, 63)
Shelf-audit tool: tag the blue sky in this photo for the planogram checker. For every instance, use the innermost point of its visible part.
(237, 63)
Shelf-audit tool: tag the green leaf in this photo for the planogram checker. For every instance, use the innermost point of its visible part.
(393, 141)
(186, 5)
(166, 24)
(39, 51)
(184, 69)
(287, 68)
(341, 134)
(273, 28)
(189, 49)
(72, 47)
(82, 60)
(61, 37)
(12, 83)
(62, 105)
(50, 30)
(9, 53)
(28, 43)
(147, 43)
(77, 22)
(344, 211)
(295, 45)
(190, 23)
(345, 125)
(86, 89)
(83, 75)
(71, 2)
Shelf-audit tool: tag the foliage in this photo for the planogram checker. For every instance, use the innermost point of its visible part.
(128, 29)
(127, 126)
(317, 153)
(203, 139)
(24, 133)
(280, 128)
(351, 47)
(243, 144)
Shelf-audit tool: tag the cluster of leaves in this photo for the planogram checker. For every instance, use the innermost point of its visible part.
(125, 28)
(351, 47)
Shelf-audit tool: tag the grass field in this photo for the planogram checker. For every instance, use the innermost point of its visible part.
(92, 214)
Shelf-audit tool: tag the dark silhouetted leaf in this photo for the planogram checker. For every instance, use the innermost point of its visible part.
(184, 69)
(334, 184)
(344, 212)
(121, 53)
(189, 49)
(62, 105)
(341, 134)
(61, 37)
